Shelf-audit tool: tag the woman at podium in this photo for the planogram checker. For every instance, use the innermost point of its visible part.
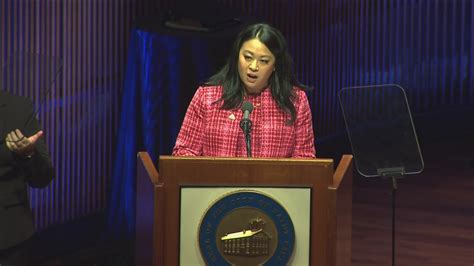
(254, 103)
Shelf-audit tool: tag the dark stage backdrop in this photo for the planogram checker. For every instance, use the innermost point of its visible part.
(425, 46)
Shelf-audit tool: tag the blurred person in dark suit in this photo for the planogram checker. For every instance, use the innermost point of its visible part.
(24, 161)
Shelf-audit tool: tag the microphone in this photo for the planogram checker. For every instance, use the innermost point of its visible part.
(246, 125)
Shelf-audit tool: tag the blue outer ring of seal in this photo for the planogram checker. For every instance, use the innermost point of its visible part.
(214, 216)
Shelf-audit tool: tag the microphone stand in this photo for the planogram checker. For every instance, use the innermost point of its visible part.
(248, 143)
(246, 125)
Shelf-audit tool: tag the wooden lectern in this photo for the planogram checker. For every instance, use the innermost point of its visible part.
(158, 200)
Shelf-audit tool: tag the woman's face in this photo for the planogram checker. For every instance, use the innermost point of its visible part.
(256, 65)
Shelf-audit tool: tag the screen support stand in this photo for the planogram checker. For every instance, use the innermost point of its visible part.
(393, 174)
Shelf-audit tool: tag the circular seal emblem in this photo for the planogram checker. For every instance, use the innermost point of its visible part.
(246, 228)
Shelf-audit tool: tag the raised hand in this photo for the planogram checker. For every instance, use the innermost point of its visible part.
(20, 144)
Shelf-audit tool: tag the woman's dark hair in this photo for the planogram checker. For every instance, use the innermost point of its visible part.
(281, 81)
